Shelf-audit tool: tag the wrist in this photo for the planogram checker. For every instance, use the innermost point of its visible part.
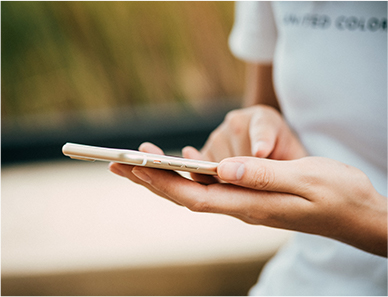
(379, 226)
(369, 227)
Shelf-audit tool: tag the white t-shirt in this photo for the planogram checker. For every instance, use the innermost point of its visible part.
(330, 75)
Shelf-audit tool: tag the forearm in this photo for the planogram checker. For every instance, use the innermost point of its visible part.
(368, 230)
(374, 237)
(259, 88)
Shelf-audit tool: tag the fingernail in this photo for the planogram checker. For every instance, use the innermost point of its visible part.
(258, 146)
(231, 170)
(139, 173)
(115, 170)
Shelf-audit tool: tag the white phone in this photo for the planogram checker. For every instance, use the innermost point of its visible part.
(132, 157)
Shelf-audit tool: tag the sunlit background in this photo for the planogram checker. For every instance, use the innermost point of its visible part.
(115, 74)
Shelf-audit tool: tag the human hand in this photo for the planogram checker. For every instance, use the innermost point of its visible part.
(125, 170)
(312, 195)
(258, 131)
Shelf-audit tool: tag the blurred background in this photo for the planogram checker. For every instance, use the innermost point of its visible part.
(115, 74)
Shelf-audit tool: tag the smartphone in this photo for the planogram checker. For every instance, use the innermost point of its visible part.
(132, 157)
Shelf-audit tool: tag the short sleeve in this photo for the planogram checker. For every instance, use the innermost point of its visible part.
(253, 37)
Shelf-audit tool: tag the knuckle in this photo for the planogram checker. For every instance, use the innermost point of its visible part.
(233, 115)
(266, 109)
(267, 215)
(216, 138)
(310, 167)
(269, 218)
(266, 114)
(362, 184)
(262, 217)
(234, 121)
(214, 135)
(262, 178)
(201, 206)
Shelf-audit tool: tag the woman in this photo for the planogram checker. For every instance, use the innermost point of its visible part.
(320, 165)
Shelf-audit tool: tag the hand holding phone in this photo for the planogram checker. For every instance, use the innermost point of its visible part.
(132, 157)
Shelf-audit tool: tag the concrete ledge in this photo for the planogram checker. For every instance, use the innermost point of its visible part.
(212, 279)
(74, 228)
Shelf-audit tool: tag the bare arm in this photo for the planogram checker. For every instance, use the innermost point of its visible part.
(307, 194)
(337, 201)
(259, 88)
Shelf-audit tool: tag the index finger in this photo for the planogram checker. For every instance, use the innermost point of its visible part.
(263, 132)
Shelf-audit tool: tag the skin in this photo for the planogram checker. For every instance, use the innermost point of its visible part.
(265, 177)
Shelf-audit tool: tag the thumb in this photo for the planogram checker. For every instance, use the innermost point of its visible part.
(262, 174)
